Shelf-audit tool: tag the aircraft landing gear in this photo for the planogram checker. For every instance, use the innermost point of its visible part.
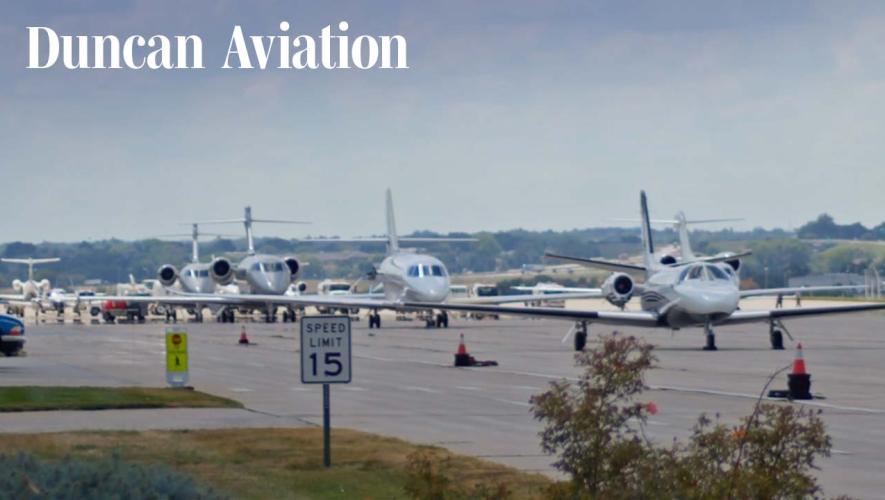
(374, 320)
(580, 336)
(289, 316)
(711, 338)
(442, 320)
(776, 331)
(198, 316)
(270, 315)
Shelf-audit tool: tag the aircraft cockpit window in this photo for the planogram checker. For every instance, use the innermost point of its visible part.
(717, 273)
(413, 271)
(696, 273)
(203, 273)
(437, 270)
(256, 266)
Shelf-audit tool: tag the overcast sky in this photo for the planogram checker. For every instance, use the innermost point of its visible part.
(513, 114)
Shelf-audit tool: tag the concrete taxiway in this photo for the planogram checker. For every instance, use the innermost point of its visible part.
(404, 384)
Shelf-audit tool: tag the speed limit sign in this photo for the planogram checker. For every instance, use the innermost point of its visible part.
(325, 350)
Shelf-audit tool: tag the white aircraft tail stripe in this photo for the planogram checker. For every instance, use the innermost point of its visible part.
(392, 237)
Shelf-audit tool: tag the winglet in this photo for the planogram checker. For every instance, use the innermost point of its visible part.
(392, 237)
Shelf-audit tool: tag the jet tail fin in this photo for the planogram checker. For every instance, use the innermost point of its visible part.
(392, 237)
(648, 248)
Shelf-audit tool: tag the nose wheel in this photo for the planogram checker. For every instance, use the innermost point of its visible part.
(711, 338)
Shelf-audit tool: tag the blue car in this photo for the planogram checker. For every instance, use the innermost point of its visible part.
(12, 334)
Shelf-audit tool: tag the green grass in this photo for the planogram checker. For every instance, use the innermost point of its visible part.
(37, 398)
(276, 463)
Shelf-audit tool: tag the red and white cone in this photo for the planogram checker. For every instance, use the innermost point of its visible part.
(244, 339)
(799, 380)
(461, 356)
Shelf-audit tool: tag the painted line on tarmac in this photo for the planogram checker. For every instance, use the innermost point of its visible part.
(420, 389)
(712, 392)
(240, 389)
(468, 388)
(354, 388)
(509, 401)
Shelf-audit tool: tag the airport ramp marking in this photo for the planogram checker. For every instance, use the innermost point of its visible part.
(421, 389)
(510, 401)
(818, 404)
(240, 389)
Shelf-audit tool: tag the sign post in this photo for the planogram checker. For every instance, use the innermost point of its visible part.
(325, 359)
(176, 357)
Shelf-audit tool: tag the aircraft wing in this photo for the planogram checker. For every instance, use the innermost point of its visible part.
(599, 264)
(801, 289)
(558, 290)
(631, 318)
(587, 293)
(16, 300)
(362, 301)
(739, 317)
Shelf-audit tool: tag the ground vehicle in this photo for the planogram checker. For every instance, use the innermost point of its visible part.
(483, 290)
(12, 334)
(335, 288)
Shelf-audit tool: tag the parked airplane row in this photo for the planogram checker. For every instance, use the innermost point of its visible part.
(688, 291)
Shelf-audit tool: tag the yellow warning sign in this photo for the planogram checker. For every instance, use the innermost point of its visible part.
(176, 342)
(176, 363)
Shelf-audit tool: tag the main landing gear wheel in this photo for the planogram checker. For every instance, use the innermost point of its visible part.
(711, 338)
(442, 320)
(776, 332)
(374, 320)
(581, 337)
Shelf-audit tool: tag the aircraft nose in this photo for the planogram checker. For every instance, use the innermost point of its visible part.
(709, 301)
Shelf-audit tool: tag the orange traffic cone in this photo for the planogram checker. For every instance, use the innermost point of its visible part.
(799, 361)
(244, 339)
(461, 356)
(799, 381)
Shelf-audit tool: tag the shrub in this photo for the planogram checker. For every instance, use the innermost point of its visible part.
(25, 477)
(596, 428)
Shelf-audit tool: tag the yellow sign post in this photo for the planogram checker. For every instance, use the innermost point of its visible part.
(176, 357)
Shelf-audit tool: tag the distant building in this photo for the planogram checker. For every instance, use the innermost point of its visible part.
(828, 279)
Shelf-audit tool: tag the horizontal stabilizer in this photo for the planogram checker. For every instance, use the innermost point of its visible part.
(599, 264)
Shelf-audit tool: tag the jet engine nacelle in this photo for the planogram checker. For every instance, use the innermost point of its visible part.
(294, 266)
(17, 285)
(167, 275)
(301, 286)
(222, 271)
(668, 260)
(618, 289)
(44, 286)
